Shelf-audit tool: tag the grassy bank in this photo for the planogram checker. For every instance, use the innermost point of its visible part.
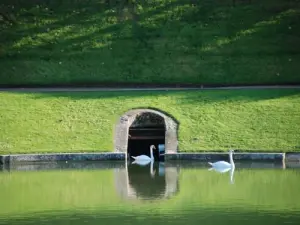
(158, 41)
(266, 120)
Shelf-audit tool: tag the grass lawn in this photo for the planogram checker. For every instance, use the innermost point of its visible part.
(266, 120)
(153, 42)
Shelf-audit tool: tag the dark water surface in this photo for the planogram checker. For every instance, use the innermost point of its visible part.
(112, 193)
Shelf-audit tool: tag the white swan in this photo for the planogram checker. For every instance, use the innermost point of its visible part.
(223, 165)
(141, 163)
(220, 169)
(144, 159)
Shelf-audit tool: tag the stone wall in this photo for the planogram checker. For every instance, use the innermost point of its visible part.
(148, 119)
(144, 117)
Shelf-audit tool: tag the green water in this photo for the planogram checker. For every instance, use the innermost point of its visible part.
(174, 194)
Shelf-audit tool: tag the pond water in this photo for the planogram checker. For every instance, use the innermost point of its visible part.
(112, 193)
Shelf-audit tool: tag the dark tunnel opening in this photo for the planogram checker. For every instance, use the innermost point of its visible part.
(140, 140)
(147, 129)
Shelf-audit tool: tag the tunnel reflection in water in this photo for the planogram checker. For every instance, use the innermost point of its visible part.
(136, 181)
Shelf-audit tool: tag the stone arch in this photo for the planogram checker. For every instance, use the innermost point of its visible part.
(127, 119)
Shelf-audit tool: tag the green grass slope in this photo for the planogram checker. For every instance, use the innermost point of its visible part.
(253, 120)
(151, 42)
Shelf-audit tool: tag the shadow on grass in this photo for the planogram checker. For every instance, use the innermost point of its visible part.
(116, 41)
(203, 15)
(187, 215)
(182, 97)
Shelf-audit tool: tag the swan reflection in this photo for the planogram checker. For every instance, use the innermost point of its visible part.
(147, 181)
(144, 163)
(225, 170)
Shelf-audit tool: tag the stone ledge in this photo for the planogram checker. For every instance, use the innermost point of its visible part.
(238, 164)
(62, 157)
(224, 156)
(292, 157)
(61, 165)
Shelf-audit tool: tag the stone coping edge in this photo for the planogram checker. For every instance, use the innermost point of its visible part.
(62, 157)
(256, 156)
(224, 156)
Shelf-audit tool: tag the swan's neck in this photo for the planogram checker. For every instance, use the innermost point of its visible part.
(151, 153)
(231, 159)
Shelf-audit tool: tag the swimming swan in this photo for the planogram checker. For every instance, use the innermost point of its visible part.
(144, 159)
(220, 169)
(222, 165)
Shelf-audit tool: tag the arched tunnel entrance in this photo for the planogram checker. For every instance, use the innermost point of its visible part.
(147, 129)
(138, 129)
